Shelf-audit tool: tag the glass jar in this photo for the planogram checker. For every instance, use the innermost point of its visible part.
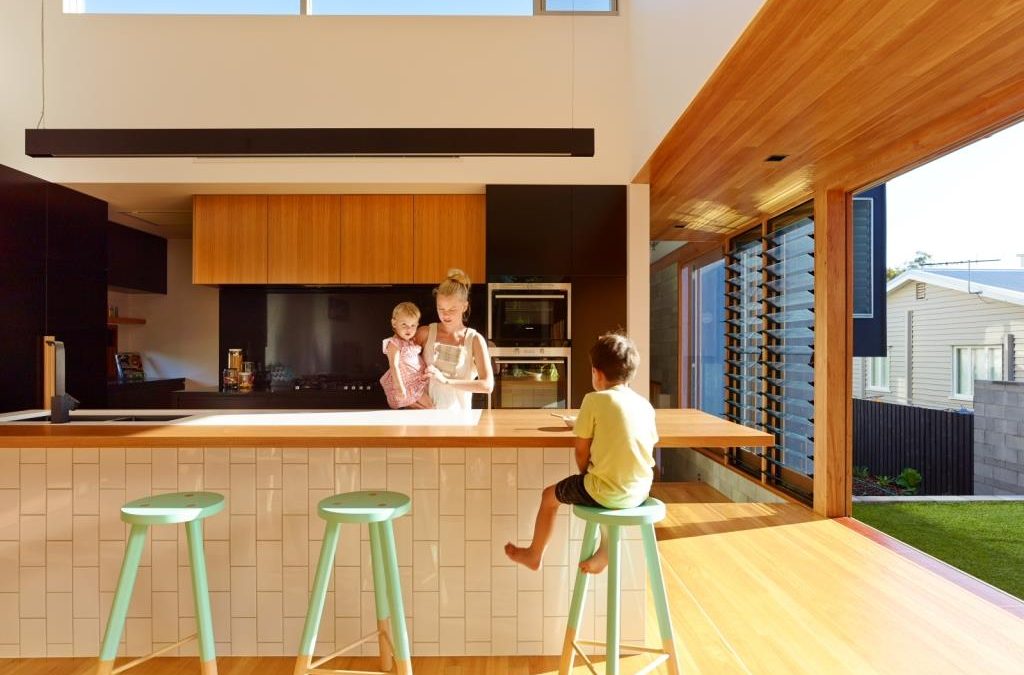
(229, 379)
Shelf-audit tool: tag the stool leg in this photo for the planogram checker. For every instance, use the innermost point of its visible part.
(614, 582)
(579, 591)
(201, 592)
(380, 594)
(122, 597)
(317, 597)
(394, 586)
(660, 598)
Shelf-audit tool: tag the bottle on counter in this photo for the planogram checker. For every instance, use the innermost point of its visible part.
(235, 359)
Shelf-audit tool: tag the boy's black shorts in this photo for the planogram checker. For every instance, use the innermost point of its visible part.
(571, 491)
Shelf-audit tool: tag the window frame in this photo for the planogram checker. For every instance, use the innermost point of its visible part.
(955, 375)
(540, 9)
(870, 385)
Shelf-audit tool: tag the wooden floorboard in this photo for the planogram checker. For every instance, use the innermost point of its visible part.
(754, 588)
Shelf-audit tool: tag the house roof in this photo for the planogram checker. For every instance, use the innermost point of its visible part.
(1004, 285)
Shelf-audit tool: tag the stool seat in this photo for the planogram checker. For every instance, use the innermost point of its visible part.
(172, 508)
(366, 506)
(651, 511)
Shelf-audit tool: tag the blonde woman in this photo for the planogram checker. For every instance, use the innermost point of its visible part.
(457, 359)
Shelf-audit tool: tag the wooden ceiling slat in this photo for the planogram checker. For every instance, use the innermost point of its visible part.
(854, 92)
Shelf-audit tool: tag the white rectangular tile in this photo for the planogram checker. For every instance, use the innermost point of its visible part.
(452, 636)
(269, 511)
(243, 489)
(503, 530)
(86, 601)
(425, 566)
(10, 513)
(557, 455)
(478, 565)
(529, 580)
(243, 455)
(9, 562)
(243, 635)
(110, 523)
(33, 636)
(346, 455)
(33, 540)
(58, 568)
(346, 477)
(452, 596)
(33, 489)
(269, 624)
(112, 468)
(373, 465)
(165, 468)
(558, 581)
(268, 566)
(243, 592)
(58, 618)
(453, 489)
(111, 554)
(425, 463)
(190, 455)
(138, 455)
(217, 468)
(528, 502)
(58, 471)
(633, 610)
(296, 489)
(478, 468)
(530, 616)
(452, 455)
(32, 581)
(10, 462)
(295, 597)
(504, 593)
(321, 468)
(243, 540)
(426, 611)
(453, 540)
(86, 500)
(530, 468)
(478, 617)
(165, 617)
(503, 636)
(218, 566)
(504, 455)
(165, 566)
(85, 547)
(295, 543)
(142, 595)
(426, 514)
(295, 456)
(268, 468)
(478, 515)
(400, 478)
(138, 480)
(503, 489)
(87, 636)
(554, 633)
(347, 593)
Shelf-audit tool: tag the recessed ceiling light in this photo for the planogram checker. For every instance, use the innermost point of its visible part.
(775, 158)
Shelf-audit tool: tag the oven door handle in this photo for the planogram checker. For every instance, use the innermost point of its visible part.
(527, 296)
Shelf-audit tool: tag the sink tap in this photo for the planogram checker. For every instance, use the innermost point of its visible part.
(61, 403)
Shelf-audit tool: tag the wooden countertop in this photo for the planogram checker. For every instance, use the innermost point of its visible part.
(497, 428)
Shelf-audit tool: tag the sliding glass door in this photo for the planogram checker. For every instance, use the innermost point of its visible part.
(708, 383)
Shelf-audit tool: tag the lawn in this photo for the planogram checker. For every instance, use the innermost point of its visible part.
(984, 539)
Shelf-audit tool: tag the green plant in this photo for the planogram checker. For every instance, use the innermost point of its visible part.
(909, 479)
(860, 472)
(884, 481)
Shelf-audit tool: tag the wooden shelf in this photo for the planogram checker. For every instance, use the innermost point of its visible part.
(124, 320)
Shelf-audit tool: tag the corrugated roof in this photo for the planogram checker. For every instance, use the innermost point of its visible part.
(1011, 280)
(1005, 285)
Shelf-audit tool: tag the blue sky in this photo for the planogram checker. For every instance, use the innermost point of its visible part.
(319, 6)
(962, 206)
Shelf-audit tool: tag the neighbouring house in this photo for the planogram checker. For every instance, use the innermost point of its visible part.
(946, 329)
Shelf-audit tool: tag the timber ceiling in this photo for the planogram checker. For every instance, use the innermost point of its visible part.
(852, 92)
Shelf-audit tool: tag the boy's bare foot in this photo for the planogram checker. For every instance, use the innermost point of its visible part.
(523, 556)
(596, 563)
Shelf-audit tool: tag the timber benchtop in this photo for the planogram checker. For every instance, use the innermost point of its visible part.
(496, 428)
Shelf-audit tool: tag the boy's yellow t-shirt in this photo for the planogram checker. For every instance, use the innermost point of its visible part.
(621, 422)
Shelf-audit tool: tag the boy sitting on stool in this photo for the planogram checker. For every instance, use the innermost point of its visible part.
(615, 437)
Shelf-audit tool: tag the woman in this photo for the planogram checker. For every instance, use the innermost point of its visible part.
(457, 359)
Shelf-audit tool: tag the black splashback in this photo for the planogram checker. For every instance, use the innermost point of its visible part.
(324, 330)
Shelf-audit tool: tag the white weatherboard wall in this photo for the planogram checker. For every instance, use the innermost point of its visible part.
(674, 49)
(180, 337)
(316, 71)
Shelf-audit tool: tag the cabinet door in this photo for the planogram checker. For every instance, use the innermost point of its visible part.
(376, 239)
(229, 239)
(529, 230)
(598, 229)
(449, 231)
(304, 239)
(136, 260)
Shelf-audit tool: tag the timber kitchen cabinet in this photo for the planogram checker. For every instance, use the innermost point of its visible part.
(229, 239)
(304, 239)
(449, 231)
(376, 239)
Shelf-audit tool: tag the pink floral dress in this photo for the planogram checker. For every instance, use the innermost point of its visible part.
(413, 369)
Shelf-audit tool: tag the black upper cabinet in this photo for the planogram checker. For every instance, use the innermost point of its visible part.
(76, 228)
(529, 230)
(22, 219)
(136, 260)
(598, 230)
(555, 231)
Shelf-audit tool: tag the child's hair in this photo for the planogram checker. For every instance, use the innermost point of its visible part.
(616, 356)
(455, 285)
(405, 309)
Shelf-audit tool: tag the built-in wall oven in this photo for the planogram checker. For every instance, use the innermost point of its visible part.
(530, 377)
(529, 315)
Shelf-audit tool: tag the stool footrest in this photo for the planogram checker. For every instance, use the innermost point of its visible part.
(662, 655)
(314, 667)
(162, 650)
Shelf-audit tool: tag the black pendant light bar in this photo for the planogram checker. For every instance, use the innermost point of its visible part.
(309, 142)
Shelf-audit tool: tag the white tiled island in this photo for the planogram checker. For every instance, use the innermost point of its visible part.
(473, 487)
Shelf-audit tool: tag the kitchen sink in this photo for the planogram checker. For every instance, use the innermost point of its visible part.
(113, 419)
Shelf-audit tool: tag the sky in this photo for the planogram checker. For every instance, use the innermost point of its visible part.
(962, 206)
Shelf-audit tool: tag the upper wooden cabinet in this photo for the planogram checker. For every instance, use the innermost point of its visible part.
(229, 239)
(304, 235)
(376, 239)
(449, 231)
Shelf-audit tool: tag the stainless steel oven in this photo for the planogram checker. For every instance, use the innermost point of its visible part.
(530, 377)
(529, 315)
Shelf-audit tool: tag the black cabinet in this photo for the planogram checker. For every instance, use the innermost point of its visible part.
(136, 260)
(598, 306)
(555, 231)
(52, 282)
(148, 394)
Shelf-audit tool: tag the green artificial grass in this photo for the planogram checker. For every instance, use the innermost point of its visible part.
(984, 539)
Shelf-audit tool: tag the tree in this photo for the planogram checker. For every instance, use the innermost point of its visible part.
(918, 261)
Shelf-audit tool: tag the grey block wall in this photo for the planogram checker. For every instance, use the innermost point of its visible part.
(998, 438)
(665, 331)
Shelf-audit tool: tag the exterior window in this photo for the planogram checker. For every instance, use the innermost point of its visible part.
(181, 6)
(878, 373)
(576, 6)
(975, 363)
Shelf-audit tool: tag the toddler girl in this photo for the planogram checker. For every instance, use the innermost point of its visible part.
(405, 383)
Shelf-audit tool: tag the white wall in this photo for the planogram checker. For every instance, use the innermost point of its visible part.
(310, 71)
(180, 337)
(674, 47)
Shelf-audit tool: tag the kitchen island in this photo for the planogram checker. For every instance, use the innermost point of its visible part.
(475, 483)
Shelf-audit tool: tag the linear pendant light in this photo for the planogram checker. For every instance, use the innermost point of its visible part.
(464, 142)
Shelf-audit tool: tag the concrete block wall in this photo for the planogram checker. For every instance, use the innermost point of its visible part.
(998, 438)
(665, 332)
(684, 464)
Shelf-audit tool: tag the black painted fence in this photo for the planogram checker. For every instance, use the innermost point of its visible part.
(888, 437)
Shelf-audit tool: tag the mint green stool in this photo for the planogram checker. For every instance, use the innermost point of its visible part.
(377, 509)
(189, 508)
(612, 520)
